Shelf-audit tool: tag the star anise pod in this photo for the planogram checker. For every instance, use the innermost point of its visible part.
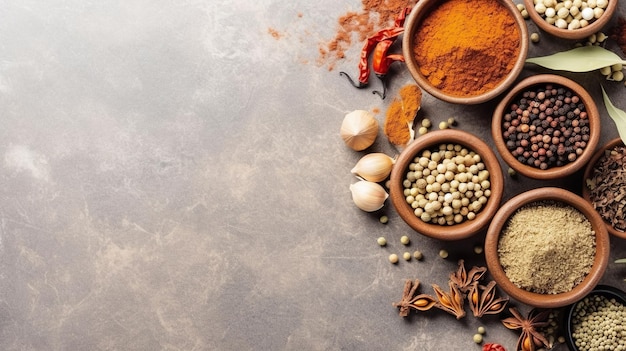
(421, 302)
(451, 302)
(482, 299)
(530, 337)
(463, 279)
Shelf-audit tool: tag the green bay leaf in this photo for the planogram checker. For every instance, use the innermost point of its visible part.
(581, 59)
(618, 116)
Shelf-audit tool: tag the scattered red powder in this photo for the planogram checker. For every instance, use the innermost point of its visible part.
(274, 33)
(375, 15)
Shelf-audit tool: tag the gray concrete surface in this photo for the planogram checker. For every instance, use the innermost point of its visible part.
(172, 178)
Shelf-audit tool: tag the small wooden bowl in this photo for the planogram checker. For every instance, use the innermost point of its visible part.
(553, 172)
(547, 300)
(421, 11)
(588, 171)
(429, 141)
(573, 34)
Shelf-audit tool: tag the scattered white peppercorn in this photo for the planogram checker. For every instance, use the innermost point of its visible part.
(406, 256)
(478, 249)
(426, 123)
(443, 253)
(381, 241)
(451, 121)
(478, 338)
(422, 130)
(405, 240)
(534, 37)
(418, 255)
(393, 258)
(481, 330)
(384, 219)
(511, 172)
(443, 125)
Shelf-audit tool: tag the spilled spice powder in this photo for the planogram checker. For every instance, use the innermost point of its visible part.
(375, 15)
(400, 113)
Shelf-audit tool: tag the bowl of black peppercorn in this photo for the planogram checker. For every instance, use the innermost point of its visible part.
(546, 127)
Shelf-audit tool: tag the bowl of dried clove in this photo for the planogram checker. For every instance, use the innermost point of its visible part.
(547, 247)
(447, 184)
(605, 185)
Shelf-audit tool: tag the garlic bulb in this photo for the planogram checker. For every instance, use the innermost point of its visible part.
(368, 196)
(359, 129)
(374, 167)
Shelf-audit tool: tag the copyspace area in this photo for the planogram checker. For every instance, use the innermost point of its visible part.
(172, 178)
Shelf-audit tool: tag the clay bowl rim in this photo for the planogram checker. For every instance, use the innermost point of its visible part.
(431, 140)
(593, 115)
(589, 168)
(420, 11)
(603, 290)
(600, 262)
(580, 33)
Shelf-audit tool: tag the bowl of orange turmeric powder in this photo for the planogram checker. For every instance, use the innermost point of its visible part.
(465, 51)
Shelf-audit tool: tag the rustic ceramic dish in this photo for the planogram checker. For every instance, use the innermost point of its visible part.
(421, 11)
(601, 290)
(588, 171)
(593, 27)
(546, 300)
(431, 141)
(553, 172)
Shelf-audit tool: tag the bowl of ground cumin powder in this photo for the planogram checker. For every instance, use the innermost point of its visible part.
(605, 185)
(465, 51)
(547, 247)
(447, 184)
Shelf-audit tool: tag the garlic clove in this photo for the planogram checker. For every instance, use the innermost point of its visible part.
(374, 167)
(368, 196)
(359, 129)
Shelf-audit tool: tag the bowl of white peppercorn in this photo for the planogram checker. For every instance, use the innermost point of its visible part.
(546, 127)
(598, 321)
(447, 184)
(571, 19)
(547, 247)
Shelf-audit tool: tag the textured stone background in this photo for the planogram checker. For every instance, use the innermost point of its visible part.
(172, 178)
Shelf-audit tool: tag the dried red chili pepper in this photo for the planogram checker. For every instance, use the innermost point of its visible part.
(379, 44)
(493, 347)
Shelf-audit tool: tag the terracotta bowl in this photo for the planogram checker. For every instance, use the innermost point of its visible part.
(431, 141)
(553, 172)
(601, 290)
(588, 171)
(574, 34)
(419, 13)
(547, 300)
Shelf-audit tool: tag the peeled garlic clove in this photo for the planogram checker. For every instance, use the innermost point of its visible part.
(359, 129)
(368, 196)
(374, 167)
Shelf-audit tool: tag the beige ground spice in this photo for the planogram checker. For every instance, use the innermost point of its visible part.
(547, 247)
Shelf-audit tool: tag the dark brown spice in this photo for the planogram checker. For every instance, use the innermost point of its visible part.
(410, 300)
(483, 300)
(465, 280)
(607, 187)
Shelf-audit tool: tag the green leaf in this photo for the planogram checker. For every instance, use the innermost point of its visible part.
(618, 116)
(581, 59)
